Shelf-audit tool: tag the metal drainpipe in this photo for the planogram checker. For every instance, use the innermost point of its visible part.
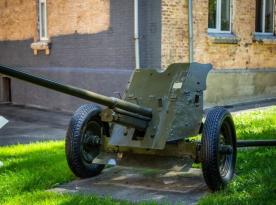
(191, 35)
(136, 34)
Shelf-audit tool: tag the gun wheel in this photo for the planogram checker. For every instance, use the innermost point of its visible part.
(83, 141)
(218, 148)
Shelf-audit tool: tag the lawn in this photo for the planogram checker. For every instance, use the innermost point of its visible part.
(29, 170)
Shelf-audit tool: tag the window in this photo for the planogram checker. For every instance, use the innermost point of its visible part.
(219, 20)
(42, 20)
(264, 16)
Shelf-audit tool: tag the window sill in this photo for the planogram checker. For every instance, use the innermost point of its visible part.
(264, 38)
(40, 46)
(223, 38)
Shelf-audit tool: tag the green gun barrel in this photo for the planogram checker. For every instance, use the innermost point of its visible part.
(110, 102)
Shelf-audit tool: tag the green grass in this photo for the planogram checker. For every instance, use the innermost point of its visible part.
(29, 170)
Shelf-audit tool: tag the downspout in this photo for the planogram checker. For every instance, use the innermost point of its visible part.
(191, 35)
(136, 34)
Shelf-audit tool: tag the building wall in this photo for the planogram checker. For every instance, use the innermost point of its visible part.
(17, 19)
(237, 86)
(247, 53)
(244, 54)
(91, 47)
(175, 44)
(90, 40)
(93, 40)
(89, 33)
(106, 81)
(150, 33)
(244, 71)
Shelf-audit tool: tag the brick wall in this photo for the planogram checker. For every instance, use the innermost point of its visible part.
(88, 33)
(92, 46)
(17, 19)
(95, 37)
(150, 33)
(110, 26)
(83, 17)
(174, 32)
(245, 54)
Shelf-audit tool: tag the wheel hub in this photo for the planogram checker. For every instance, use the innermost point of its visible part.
(91, 141)
(224, 156)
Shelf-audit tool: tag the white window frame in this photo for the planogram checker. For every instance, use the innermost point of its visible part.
(41, 24)
(263, 19)
(218, 19)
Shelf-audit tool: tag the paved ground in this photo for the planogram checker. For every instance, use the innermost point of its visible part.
(139, 185)
(30, 124)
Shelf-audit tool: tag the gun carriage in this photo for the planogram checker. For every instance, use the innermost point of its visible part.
(151, 126)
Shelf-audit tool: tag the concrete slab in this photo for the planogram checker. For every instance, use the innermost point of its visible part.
(139, 185)
(31, 124)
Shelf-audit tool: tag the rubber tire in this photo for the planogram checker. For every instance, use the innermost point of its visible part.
(81, 117)
(210, 147)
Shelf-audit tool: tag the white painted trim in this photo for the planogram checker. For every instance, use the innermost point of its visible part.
(218, 31)
(264, 33)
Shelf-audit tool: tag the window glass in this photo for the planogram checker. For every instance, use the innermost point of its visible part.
(212, 14)
(264, 16)
(225, 15)
(219, 19)
(259, 15)
(269, 16)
